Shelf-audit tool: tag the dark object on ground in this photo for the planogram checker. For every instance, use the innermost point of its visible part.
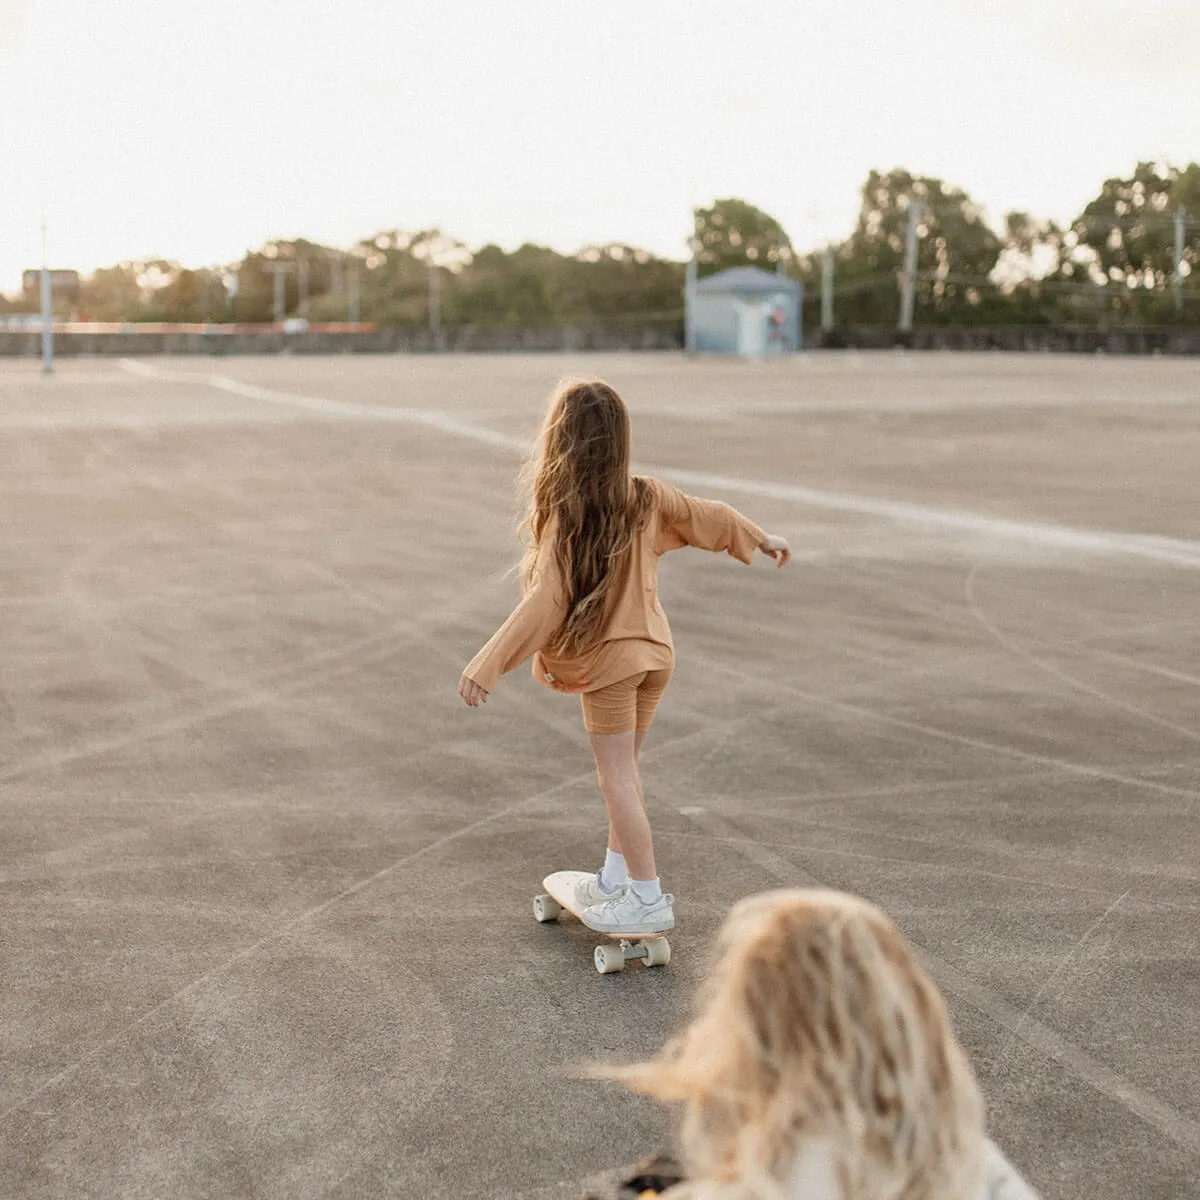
(654, 1174)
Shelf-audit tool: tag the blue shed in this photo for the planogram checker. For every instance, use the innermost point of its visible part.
(744, 311)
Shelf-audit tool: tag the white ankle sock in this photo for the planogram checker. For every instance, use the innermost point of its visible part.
(614, 873)
(647, 891)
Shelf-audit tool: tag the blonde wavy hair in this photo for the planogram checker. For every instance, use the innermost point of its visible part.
(818, 1022)
(580, 474)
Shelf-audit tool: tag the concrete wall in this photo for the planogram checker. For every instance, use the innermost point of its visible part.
(15, 343)
(27, 343)
(1013, 337)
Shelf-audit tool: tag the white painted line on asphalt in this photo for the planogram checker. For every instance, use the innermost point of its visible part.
(903, 405)
(370, 412)
(1175, 551)
(134, 367)
(1064, 537)
(96, 422)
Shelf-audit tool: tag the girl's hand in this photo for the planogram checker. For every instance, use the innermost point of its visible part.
(776, 548)
(471, 692)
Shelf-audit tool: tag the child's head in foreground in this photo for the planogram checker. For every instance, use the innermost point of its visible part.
(818, 1023)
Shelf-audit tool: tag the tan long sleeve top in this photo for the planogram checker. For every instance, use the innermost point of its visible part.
(636, 636)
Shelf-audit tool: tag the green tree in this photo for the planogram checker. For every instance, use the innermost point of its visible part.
(395, 269)
(506, 290)
(1025, 292)
(254, 301)
(188, 296)
(733, 233)
(1118, 259)
(112, 294)
(1033, 249)
(618, 284)
(956, 253)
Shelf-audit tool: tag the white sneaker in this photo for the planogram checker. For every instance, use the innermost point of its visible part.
(627, 915)
(591, 891)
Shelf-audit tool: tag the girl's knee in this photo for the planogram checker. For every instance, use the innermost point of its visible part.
(620, 780)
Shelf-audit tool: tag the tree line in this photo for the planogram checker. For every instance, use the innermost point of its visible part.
(1131, 257)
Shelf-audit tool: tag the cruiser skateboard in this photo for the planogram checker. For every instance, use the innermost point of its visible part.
(652, 948)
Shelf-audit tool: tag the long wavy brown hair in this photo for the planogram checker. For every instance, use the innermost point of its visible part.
(580, 475)
(819, 1023)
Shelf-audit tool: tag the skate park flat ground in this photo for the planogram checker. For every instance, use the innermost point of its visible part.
(266, 881)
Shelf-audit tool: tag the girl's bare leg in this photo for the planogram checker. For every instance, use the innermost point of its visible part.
(621, 785)
(639, 738)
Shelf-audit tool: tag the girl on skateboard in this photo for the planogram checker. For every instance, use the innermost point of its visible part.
(590, 618)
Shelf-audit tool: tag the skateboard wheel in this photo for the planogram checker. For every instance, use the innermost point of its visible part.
(609, 959)
(546, 908)
(658, 953)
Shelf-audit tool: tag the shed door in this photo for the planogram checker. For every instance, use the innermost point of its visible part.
(751, 328)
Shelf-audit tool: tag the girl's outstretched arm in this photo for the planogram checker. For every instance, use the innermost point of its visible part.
(530, 627)
(712, 525)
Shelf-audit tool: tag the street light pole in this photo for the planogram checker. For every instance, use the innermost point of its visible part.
(337, 284)
(909, 278)
(435, 302)
(827, 289)
(1177, 280)
(689, 298)
(279, 270)
(47, 313)
(302, 286)
(354, 294)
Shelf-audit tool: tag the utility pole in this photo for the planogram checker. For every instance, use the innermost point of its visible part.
(908, 279)
(279, 270)
(435, 303)
(47, 313)
(689, 301)
(354, 295)
(337, 283)
(232, 287)
(1177, 280)
(827, 289)
(302, 286)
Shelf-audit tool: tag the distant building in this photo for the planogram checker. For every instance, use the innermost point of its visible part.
(63, 284)
(744, 311)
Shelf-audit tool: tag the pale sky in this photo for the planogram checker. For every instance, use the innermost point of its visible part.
(197, 131)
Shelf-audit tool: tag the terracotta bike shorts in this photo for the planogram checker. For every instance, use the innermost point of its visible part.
(626, 705)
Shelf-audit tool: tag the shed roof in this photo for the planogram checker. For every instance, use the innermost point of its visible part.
(747, 279)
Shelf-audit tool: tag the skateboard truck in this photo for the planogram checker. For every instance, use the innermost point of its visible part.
(655, 952)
